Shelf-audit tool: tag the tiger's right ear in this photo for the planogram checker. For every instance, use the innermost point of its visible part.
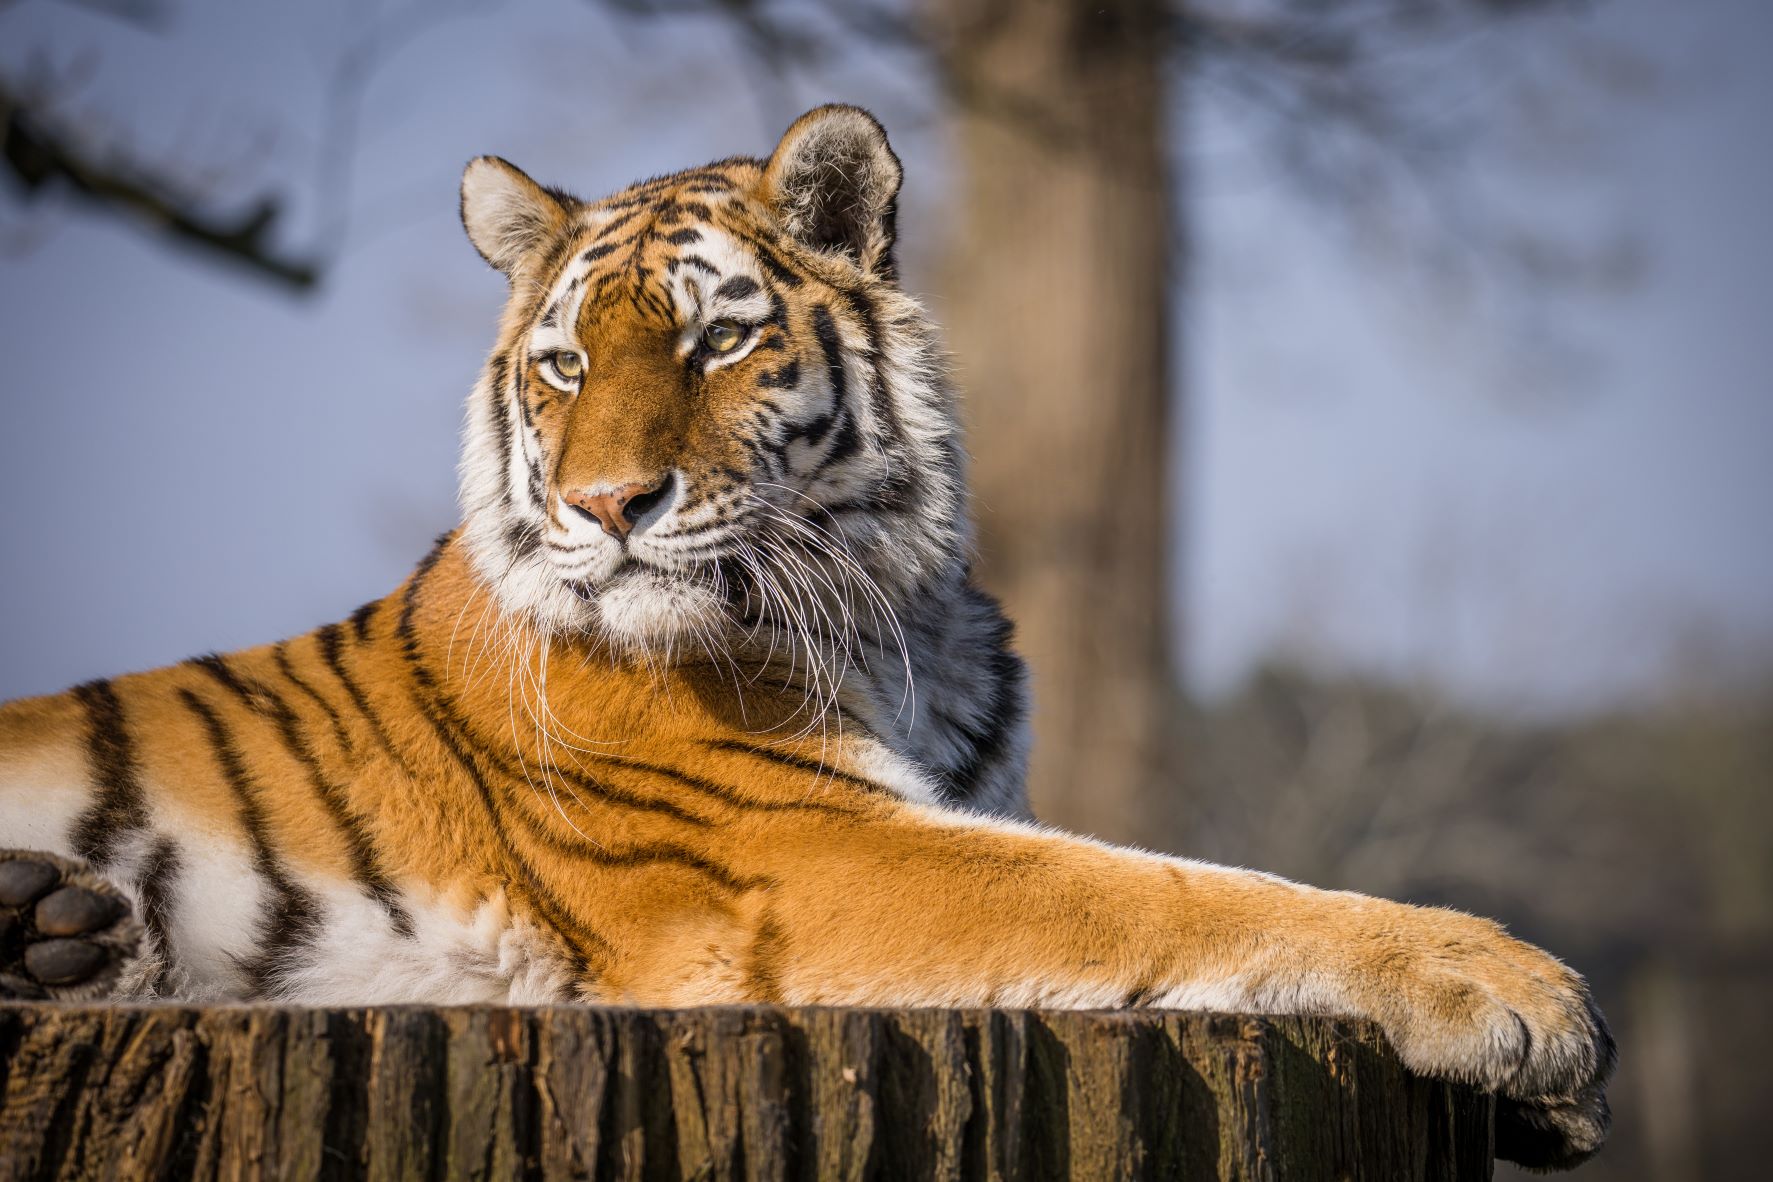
(506, 214)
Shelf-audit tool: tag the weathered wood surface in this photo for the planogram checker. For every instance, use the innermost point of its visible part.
(399, 1093)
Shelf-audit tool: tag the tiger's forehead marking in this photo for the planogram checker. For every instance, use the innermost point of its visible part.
(660, 249)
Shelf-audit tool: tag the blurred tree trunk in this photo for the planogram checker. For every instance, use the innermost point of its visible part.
(1056, 303)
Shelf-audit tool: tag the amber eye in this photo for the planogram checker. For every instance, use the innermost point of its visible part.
(567, 364)
(723, 336)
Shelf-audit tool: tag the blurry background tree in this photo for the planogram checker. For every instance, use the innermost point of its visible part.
(1057, 272)
(1635, 842)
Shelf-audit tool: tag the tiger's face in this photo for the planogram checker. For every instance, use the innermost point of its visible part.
(709, 401)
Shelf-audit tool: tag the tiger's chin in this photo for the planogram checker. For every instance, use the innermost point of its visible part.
(650, 611)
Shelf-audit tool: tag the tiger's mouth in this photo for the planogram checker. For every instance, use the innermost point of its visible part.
(643, 606)
(629, 566)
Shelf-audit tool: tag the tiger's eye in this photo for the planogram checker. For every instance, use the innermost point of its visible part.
(723, 336)
(567, 365)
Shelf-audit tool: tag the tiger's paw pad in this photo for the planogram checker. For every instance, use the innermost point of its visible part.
(65, 933)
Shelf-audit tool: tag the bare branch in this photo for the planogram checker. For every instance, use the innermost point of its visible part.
(149, 14)
(40, 157)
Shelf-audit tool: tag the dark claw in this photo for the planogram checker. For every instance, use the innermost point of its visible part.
(74, 911)
(22, 880)
(64, 962)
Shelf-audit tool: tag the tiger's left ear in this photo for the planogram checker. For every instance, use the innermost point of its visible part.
(834, 182)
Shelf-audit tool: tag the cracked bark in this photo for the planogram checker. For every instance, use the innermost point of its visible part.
(405, 1093)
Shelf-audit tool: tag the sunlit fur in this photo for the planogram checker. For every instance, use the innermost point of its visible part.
(815, 526)
(765, 749)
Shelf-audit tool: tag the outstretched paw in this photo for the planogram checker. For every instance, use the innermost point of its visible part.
(1463, 1000)
(65, 933)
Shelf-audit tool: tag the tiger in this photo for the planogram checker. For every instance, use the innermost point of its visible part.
(699, 703)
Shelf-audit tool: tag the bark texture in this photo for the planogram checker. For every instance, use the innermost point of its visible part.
(239, 1093)
(1055, 294)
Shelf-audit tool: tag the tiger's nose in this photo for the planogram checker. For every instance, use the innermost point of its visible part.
(617, 509)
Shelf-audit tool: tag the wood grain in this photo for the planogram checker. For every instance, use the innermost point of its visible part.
(582, 1093)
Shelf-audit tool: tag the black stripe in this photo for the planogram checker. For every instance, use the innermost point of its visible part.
(655, 854)
(767, 954)
(600, 294)
(608, 228)
(653, 301)
(331, 640)
(880, 398)
(896, 494)
(552, 911)
(725, 794)
(752, 449)
(710, 187)
(155, 883)
(737, 288)
(522, 537)
(518, 776)
(515, 772)
(783, 759)
(694, 261)
(117, 808)
(779, 268)
(825, 329)
(844, 445)
(290, 921)
(280, 653)
(774, 264)
(502, 419)
(366, 869)
(361, 618)
(409, 603)
(1140, 995)
(558, 252)
(785, 378)
(1002, 713)
(520, 395)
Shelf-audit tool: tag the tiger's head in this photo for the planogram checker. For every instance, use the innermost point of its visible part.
(709, 400)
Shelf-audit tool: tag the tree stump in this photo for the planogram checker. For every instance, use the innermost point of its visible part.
(150, 1092)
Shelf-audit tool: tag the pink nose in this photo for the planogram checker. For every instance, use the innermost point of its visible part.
(617, 510)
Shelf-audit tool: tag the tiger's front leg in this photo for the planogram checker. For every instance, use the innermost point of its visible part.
(917, 907)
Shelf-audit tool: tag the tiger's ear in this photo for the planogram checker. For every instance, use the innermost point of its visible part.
(834, 182)
(506, 214)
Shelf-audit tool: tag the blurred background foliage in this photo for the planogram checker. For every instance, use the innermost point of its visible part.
(1298, 338)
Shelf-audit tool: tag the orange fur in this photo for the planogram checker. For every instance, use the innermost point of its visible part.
(689, 831)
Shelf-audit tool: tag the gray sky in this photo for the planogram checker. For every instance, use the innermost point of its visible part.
(1382, 475)
(1384, 478)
